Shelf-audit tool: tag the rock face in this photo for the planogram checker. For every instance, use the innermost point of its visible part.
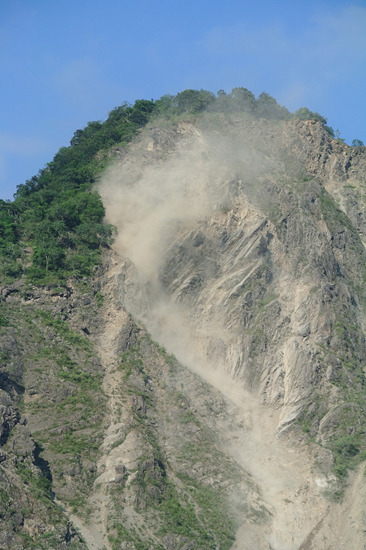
(49, 401)
(246, 240)
(207, 389)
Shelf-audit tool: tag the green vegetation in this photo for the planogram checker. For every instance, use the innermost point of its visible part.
(56, 216)
(41, 484)
(132, 360)
(67, 403)
(191, 515)
(34, 500)
(344, 433)
(305, 114)
(73, 444)
(357, 143)
(239, 100)
(3, 321)
(346, 452)
(169, 358)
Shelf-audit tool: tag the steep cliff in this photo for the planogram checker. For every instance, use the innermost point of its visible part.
(206, 387)
(248, 242)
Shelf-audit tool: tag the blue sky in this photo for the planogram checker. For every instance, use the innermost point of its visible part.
(66, 63)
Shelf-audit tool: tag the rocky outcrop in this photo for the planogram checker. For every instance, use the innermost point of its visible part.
(48, 401)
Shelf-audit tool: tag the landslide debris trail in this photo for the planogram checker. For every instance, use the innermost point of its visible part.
(282, 473)
(94, 529)
(287, 499)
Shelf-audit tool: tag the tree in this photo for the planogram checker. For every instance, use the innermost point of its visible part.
(305, 114)
(166, 104)
(337, 136)
(193, 101)
(267, 107)
(49, 256)
(357, 143)
(242, 99)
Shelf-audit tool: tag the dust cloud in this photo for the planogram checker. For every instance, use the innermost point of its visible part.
(148, 205)
(152, 198)
(149, 198)
(152, 202)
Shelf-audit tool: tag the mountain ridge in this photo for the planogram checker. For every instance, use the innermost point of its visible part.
(240, 249)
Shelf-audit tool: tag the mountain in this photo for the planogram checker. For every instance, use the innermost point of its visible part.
(183, 334)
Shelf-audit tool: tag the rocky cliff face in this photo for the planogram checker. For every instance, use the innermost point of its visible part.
(248, 242)
(207, 390)
(268, 267)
